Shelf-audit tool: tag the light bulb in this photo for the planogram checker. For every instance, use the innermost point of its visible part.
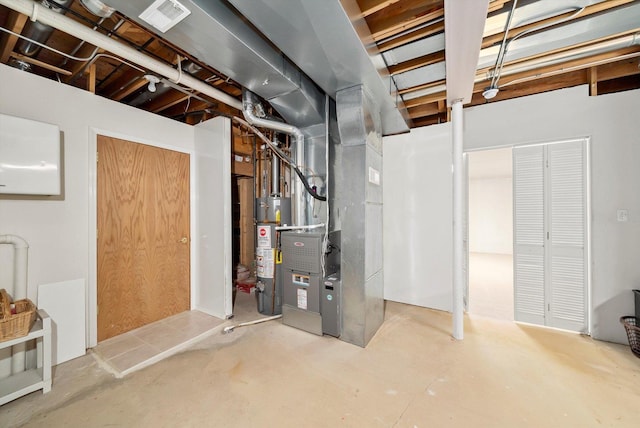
(152, 82)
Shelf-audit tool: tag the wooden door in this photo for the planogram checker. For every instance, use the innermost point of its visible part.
(143, 235)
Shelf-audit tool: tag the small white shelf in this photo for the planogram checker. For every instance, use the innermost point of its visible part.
(25, 382)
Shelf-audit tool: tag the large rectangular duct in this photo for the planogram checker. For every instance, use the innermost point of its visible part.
(323, 37)
(215, 34)
(356, 163)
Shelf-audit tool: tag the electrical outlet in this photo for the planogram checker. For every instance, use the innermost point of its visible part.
(623, 215)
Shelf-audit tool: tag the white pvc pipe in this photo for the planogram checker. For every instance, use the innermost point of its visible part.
(46, 16)
(458, 189)
(20, 265)
(20, 251)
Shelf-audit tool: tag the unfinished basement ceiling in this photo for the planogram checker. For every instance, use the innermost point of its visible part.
(304, 49)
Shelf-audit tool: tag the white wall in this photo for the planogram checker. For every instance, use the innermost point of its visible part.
(213, 295)
(491, 215)
(418, 205)
(613, 125)
(612, 122)
(61, 233)
(57, 231)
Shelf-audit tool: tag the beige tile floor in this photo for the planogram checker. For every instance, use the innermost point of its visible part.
(412, 374)
(149, 344)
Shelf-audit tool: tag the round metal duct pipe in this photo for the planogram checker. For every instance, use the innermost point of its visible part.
(38, 31)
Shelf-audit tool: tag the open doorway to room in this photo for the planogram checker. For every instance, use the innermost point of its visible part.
(490, 213)
(243, 203)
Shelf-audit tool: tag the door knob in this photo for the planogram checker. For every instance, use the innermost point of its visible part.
(184, 240)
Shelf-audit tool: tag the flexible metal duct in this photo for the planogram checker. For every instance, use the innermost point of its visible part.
(38, 31)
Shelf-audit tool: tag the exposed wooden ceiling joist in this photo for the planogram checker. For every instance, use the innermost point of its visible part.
(369, 7)
(402, 16)
(16, 24)
(417, 63)
(394, 24)
(412, 36)
(588, 10)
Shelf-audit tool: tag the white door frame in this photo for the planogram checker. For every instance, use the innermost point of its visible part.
(92, 283)
(588, 210)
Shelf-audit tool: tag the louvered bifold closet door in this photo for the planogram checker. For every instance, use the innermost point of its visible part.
(567, 300)
(529, 234)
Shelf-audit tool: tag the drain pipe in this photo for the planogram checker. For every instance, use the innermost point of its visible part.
(63, 23)
(20, 253)
(249, 102)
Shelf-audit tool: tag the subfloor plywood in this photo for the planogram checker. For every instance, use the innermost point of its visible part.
(412, 374)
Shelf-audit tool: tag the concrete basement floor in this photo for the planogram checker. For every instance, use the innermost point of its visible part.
(412, 374)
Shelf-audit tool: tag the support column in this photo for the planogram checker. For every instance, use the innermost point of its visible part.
(458, 206)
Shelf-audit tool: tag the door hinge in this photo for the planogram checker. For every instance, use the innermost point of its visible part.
(547, 162)
(548, 307)
(97, 156)
(547, 236)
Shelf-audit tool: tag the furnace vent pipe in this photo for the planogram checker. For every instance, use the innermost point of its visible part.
(275, 175)
(20, 263)
(63, 23)
(249, 102)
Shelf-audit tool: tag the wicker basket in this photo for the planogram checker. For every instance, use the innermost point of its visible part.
(633, 333)
(18, 324)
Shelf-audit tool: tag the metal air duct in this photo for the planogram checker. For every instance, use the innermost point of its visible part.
(38, 31)
(41, 14)
(323, 37)
(357, 209)
(249, 102)
(219, 37)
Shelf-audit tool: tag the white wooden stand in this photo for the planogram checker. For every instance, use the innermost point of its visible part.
(23, 383)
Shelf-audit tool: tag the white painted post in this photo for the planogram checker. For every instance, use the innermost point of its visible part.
(458, 205)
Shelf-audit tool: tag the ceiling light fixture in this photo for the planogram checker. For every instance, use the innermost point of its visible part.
(98, 8)
(153, 80)
(490, 92)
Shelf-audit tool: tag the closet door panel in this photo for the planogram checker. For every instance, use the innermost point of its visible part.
(529, 234)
